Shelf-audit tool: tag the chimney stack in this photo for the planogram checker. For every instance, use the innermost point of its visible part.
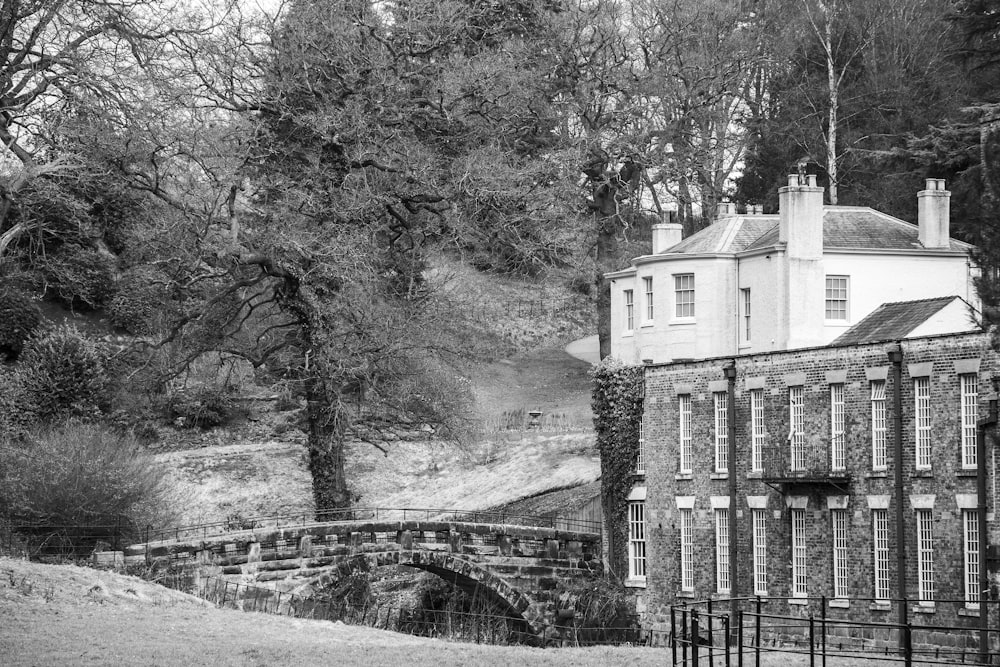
(801, 217)
(934, 214)
(666, 235)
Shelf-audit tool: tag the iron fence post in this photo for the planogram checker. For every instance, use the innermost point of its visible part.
(695, 636)
(726, 626)
(908, 644)
(673, 635)
(711, 637)
(739, 637)
(757, 638)
(812, 641)
(822, 629)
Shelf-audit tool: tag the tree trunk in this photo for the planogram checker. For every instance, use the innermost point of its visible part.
(831, 135)
(326, 449)
(605, 207)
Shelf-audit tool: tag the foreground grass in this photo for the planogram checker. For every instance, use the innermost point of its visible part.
(63, 614)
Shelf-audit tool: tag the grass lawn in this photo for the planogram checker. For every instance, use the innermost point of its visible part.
(69, 615)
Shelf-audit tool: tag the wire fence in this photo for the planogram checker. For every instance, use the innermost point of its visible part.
(373, 514)
(55, 541)
(481, 627)
(740, 631)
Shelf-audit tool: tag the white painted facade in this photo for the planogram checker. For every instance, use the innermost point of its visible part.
(785, 282)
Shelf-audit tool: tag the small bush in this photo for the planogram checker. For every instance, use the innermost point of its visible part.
(81, 474)
(62, 373)
(19, 318)
(205, 407)
(79, 276)
(139, 301)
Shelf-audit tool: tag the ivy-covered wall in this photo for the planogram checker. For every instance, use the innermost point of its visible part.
(617, 403)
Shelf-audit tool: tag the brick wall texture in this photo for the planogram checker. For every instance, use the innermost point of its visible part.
(945, 488)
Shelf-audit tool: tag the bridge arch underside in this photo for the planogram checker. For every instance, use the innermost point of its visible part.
(468, 576)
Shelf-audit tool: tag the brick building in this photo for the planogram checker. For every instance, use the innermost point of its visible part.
(776, 474)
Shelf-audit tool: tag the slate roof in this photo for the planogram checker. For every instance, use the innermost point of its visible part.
(892, 321)
(844, 227)
(727, 235)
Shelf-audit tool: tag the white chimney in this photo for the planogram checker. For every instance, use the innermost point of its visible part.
(666, 235)
(800, 205)
(934, 214)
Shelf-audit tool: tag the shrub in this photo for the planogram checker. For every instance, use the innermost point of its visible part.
(80, 276)
(61, 373)
(139, 300)
(205, 407)
(19, 318)
(81, 474)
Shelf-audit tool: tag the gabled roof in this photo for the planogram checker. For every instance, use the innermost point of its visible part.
(893, 321)
(844, 227)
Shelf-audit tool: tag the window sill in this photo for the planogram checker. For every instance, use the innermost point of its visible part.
(800, 601)
(840, 602)
(836, 323)
(718, 475)
(966, 472)
(628, 333)
(647, 325)
(683, 321)
(745, 346)
(924, 609)
(877, 474)
(635, 582)
(683, 477)
(970, 612)
(880, 606)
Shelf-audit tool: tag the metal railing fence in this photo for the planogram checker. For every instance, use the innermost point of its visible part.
(370, 514)
(739, 631)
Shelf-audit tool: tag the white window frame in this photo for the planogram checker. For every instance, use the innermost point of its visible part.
(684, 296)
(880, 442)
(629, 311)
(759, 551)
(687, 549)
(922, 421)
(925, 557)
(647, 287)
(757, 433)
(796, 434)
(880, 554)
(838, 299)
(970, 546)
(800, 560)
(637, 541)
(838, 448)
(969, 386)
(745, 307)
(721, 402)
(841, 553)
(686, 452)
(640, 457)
(722, 583)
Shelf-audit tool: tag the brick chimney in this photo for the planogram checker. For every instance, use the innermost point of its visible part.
(934, 214)
(666, 235)
(800, 208)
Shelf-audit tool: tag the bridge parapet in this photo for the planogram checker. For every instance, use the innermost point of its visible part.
(348, 537)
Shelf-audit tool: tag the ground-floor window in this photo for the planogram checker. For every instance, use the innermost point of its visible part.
(636, 541)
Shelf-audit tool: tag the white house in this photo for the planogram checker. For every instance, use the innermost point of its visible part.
(756, 283)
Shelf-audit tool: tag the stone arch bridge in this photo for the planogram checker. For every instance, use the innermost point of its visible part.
(528, 571)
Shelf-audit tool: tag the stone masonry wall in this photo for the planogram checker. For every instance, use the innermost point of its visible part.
(815, 370)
